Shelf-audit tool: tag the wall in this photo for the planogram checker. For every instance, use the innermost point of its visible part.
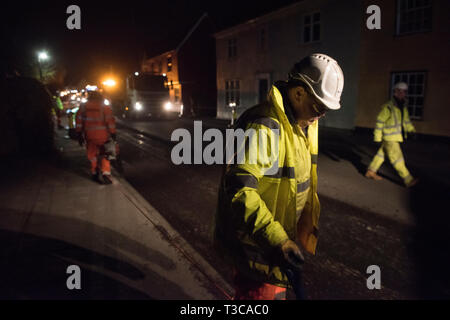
(382, 52)
(172, 75)
(284, 29)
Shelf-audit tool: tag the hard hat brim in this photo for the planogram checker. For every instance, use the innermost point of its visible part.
(329, 105)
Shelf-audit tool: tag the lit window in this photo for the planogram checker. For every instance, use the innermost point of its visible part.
(169, 63)
(232, 92)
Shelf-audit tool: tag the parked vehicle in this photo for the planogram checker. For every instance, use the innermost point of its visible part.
(148, 96)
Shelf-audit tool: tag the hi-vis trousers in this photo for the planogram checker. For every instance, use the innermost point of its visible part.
(395, 155)
(94, 149)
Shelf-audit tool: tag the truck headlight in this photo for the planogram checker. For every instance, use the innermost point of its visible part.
(138, 106)
(106, 102)
(168, 106)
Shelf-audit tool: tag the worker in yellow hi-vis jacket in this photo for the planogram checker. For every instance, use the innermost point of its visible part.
(266, 207)
(392, 126)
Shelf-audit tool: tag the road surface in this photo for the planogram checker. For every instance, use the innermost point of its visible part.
(351, 239)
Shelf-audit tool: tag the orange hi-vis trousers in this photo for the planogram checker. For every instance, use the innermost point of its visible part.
(94, 149)
(248, 289)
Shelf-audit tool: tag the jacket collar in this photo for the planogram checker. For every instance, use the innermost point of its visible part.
(278, 93)
(395, 103)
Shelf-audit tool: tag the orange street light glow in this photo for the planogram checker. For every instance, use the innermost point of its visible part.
(109, 83)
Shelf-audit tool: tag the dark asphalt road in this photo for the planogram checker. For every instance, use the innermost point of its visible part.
(350, 239)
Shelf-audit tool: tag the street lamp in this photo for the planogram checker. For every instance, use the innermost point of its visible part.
(42, 56)
(109, 82)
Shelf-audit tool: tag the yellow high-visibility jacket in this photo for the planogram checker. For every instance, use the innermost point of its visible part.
(257, 211)
(390, 122)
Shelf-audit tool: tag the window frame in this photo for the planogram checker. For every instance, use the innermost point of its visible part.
(232, 48)
(311, 25)
(262, 38)
(232, 92)
(398, 16)
(411, 96)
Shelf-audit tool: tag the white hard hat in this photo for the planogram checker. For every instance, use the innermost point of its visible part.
(401, 86)
(323, 76)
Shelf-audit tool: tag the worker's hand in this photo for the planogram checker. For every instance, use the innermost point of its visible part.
(292, 253)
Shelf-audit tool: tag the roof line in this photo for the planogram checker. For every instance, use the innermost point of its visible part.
(191, 31)
(268, 16)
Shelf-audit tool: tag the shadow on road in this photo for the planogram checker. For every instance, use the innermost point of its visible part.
(34, 267)
(430, 248)
(343, 146)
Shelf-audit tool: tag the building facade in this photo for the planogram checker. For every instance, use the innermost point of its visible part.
(253, 55)
(166, 64)
(190, 69)
(411, 46)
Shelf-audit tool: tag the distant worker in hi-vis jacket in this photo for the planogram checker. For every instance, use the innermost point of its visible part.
(95, 125)
(266, 208)
(392, 126)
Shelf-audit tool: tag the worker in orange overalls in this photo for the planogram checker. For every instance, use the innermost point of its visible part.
(95, 125)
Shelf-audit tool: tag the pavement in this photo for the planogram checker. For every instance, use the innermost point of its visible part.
(53, 216)
(343, 159)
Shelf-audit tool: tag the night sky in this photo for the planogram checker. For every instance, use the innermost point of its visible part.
(113, 34)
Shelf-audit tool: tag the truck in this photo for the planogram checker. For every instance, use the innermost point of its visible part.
(147, 95)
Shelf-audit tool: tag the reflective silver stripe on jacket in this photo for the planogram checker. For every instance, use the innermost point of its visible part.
(394, 126)
(284, 172)
(268, 122)
(390, 134)
(303, 186)
(241, 181)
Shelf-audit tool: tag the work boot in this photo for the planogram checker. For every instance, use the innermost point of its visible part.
(107, 179)
(373, 175)
(412, 183)
(94, 177)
